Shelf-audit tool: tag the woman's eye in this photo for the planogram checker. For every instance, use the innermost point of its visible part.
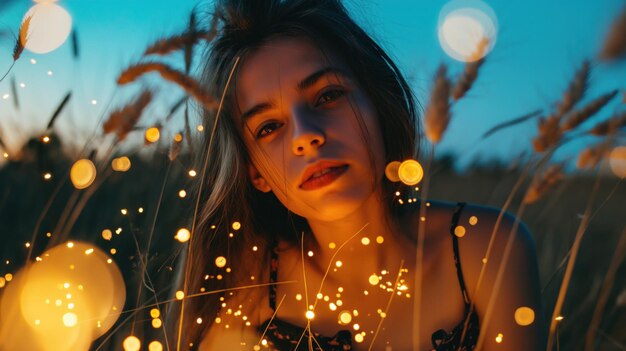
(267, 129)
(329, 96)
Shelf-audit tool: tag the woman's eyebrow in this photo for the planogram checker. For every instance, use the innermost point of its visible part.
(313, 78)
(306, 83)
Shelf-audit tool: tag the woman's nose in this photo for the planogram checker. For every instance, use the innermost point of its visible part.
(307, 136)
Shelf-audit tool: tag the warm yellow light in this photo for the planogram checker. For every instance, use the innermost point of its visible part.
(183, 235)
(391, 171)
(155, 346)
(473, 220)
(82, 173)
(410, 172)
(220, 261)
(617, 161)
(345, 318)
(2, 282)
(559, 318)
(332, 245)
(310, 253)
(131, 343)
(156, 323)
(236, 225)
(199, 320)
(155, 313)
(47, 176)
(192, 173)
(499, 338)
(8, 277)
(358, 338)
(365, 241)
(178, 137)
(180, 295)
(459, 231)
(121, 164)
(49, 27)
(338, 264)
(309, 314)
(70, 320)
(152, 135)
(380, 239)
(373, 279)
(200, 127)
(524, 316)
(107, 234)
(182, 194)
(45, 139)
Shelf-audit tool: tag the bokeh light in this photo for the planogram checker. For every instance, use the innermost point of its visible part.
(121, 164)
(82, 173)
(152, 135)
(131, 343)
(391, 171)
(410, 172)
(617, 161)
(49, 27)
(524, 316)
(467, 29)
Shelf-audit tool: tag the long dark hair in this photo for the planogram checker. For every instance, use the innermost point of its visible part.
(228, 195)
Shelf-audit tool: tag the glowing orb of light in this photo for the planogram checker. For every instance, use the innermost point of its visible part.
(120, 164)
(83, 173)
(82, 279)
(155, 346)
(459, 231)
(524, 316)
(220, 261)
(391, 171)
(70, 319)
(49, 27)
(345, 318)
(309, 314)
(152, 135)
(467, 29)
(183, 235)
(410, 172)
(617, 161)
(131, 343)
(373, 279)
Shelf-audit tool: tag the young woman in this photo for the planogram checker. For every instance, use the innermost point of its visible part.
(314, 247)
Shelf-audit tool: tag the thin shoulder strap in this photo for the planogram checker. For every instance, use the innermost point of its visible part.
(455, 246)
(273, 274)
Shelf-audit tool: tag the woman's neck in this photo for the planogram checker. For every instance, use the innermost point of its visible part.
(371, 232)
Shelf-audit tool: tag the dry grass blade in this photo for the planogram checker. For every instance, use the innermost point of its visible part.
(615, 42)
(189, 46)
(75, 47)
(174, 43)
(512, 122)
(122, 121)
(188, 130)
(16, 101)
(175, 108)
(187, 83)
(576, 89)
(437, 115)
(59, 109)
(20, 43)
(175, 148)
(590, 157)
(579, 116)
(610, 126)
(549, 133)
(467, 79)
(541, 186)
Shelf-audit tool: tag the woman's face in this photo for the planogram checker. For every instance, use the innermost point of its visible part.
(302, 115)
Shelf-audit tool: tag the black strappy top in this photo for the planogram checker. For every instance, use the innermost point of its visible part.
(284, 336)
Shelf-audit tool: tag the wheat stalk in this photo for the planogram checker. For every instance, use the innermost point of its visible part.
(576, 89)
(615, 42)
(437, 115)
(579, 116)
(124, 119)
(549, 133)
(541, 186)
(609, 126)
(187, 83)
(467, 79)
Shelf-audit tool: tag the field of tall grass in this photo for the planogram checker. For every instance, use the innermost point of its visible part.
(577, 216)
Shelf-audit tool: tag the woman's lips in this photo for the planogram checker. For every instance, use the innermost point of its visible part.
(326, 177)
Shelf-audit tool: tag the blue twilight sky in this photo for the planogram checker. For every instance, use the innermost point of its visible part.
(539, 46)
